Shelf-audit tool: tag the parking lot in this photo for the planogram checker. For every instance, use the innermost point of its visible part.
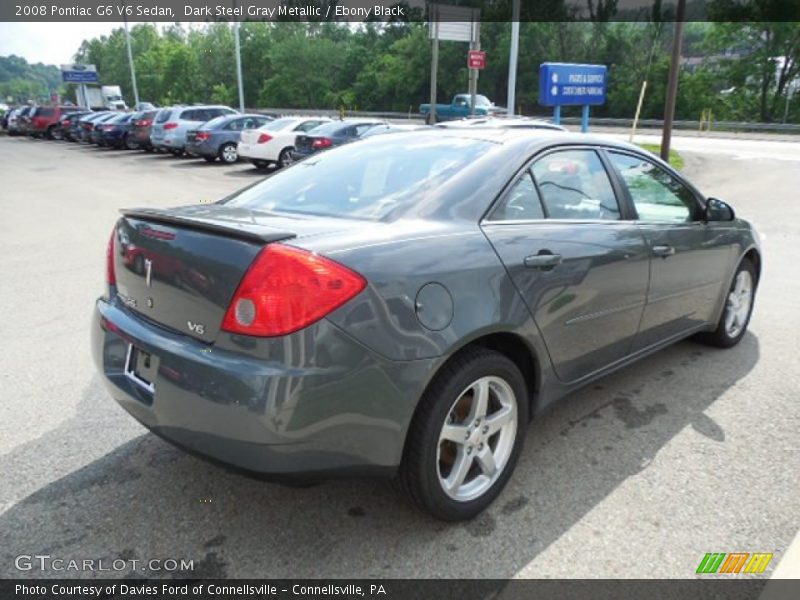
(692, 450)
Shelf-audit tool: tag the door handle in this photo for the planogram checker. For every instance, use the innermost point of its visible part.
(543, 260)
(663, 251)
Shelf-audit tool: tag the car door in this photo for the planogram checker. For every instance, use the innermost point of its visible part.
(577, 259)
(690, 258)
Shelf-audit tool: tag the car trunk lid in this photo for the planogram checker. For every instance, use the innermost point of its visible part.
(180, 268)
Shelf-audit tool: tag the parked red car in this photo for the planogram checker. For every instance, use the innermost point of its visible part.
(45, 118)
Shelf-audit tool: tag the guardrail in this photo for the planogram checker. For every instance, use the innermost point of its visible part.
(336, 113)
(693, 125)
(788, 128)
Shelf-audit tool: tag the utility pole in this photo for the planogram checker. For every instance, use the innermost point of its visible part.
(130, 57)
(475, 44)
(672, 84)
(512, 58)
(434, 63)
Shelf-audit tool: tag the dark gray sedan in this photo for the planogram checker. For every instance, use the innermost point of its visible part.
(219, 137)
(405, 305)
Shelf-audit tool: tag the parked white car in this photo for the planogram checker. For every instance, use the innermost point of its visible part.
(273, 143)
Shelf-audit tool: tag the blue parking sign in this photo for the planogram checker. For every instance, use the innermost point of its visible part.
(565, 84)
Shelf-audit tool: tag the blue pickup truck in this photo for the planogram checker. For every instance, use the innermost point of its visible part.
(459, 108)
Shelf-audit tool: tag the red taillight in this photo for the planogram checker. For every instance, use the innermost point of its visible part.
(65, 123)
(264, 138)
(170, 125)
(286, 289)
(320, 143)
(202, 136)
(111, 275)
(143, 123)
(108, 127)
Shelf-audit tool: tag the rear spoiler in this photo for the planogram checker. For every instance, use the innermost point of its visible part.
(215, 227)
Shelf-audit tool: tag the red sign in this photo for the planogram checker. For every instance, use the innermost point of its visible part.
(476, 59)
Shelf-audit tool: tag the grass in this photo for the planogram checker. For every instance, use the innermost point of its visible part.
(675, 159)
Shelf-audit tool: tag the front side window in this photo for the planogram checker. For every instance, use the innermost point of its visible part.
(574, 185)
(656, 195)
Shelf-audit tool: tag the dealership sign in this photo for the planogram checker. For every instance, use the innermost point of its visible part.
(78, 73)
(564, 84)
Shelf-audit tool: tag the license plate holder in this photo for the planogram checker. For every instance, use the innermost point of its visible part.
(141, 368)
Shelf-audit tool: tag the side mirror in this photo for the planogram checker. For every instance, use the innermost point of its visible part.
(718, 210)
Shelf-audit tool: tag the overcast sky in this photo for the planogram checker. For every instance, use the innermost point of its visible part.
(50, 43)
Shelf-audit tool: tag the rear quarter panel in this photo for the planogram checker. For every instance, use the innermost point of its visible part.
(401, 259)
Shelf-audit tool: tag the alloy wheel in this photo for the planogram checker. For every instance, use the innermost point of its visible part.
(737, 307)
(477, 438)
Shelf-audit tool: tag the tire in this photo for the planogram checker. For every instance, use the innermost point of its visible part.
(228, 153)
(55, 133)
(262, 165)
(176, 151)
(430, 460)
(285, 158)
(129, 143)
(738, 308)
(210, 159)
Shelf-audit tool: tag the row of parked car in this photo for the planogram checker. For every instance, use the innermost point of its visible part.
(216, 132)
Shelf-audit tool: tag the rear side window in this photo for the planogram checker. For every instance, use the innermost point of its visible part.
(308, 125)
(656, 195)
(216, 112)
(574, 185)
(520, 203)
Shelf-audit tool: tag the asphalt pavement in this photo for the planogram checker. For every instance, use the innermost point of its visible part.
(693, 450)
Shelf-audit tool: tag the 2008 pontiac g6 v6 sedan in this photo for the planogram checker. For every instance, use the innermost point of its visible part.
(404, 305)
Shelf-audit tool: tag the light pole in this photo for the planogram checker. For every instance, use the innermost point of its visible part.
(130, 56)
(238, 65)
(512, 58)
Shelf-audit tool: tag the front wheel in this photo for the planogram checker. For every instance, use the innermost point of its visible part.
(735, 317)
(466, 435)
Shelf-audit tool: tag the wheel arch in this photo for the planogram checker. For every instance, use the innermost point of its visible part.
(754, 256)
(511, 345)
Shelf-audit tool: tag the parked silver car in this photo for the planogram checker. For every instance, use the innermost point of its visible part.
(171, 125)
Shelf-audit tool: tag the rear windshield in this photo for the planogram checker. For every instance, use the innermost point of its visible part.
(215, 122)
(278, 124)
(43, 111)
(329, 128)
(365, 180)
(163, 115)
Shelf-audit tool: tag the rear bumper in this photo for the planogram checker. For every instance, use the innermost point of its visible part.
(301, 154)
(281, 407)
(201, 149)
(253, 151)
(169, 141)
